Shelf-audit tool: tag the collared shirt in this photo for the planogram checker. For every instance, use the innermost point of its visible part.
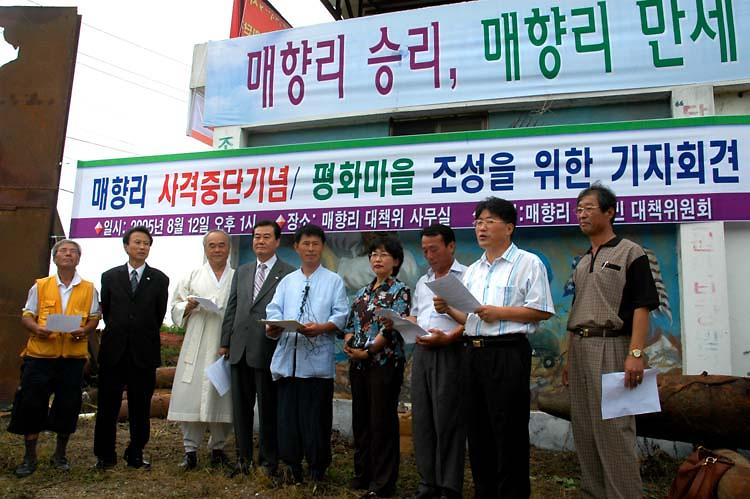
(515, 279)
(32, 301)
(268, 263)
(138, 271)
(423, 308)
(610, 285)
(392, 294)
(320, 298)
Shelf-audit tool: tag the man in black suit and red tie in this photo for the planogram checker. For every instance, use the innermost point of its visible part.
(134, 301)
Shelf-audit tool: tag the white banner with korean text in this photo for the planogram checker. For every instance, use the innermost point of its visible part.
(474, 51)
(663, 171)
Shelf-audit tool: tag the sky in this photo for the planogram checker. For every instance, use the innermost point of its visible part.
(130, 97)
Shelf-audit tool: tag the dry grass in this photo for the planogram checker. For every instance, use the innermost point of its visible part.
(555, 474)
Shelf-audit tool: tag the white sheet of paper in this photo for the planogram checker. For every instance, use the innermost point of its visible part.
(286, 325)
(620, 401)
(453, 291)
(409, 331)
(207, 304)
(61, 323)
(219, 376)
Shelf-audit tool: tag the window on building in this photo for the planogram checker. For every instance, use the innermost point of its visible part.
(439, 124)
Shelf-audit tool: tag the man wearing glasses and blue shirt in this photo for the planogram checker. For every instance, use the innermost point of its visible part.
(512, 286)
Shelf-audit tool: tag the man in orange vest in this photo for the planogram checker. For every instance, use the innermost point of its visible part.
(53, 360)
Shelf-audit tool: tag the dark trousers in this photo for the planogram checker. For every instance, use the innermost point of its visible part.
(305, 416)
(247, 384)
(438, 426)
(375, 392)
(497, 415)
(112, 381)
(41, 378)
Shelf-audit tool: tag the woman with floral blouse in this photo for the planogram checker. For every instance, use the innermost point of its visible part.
(376, 370)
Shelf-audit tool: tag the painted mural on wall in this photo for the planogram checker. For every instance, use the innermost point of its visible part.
(559, 248)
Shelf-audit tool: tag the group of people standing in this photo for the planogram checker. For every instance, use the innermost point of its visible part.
(470, 374)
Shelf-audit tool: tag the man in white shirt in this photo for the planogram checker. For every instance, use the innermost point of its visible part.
(195, 403)
(512, 286)
(438, 426)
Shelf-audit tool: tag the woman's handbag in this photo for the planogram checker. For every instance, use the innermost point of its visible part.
(699, 475)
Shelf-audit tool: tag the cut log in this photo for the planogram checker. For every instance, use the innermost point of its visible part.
(159, 406)
(713, 411)
(165, 377)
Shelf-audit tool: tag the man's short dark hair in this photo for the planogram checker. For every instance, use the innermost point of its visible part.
(439, 230)
(501, 208)
(268, 223)
(309, 230)
(604, 196)
(138, 228)
(391, 245)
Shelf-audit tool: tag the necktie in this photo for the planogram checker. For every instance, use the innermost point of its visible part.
(133, 280)
(260, 278)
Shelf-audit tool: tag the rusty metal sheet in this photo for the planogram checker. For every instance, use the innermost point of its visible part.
(35, 91)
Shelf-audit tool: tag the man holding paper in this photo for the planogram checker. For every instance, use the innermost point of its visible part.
(303, 363)
(244, 343)
(438, 425)
(195, 403)
(608, 325)
(53, 359)
(512, 286)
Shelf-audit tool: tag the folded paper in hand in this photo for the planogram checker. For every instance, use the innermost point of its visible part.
(617, 400)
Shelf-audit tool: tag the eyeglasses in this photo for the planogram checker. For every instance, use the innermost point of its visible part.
(586, 209)
(485, 222)
(379, 255)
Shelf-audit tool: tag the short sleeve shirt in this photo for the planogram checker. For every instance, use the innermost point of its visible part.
(518, 278)
(610, 285)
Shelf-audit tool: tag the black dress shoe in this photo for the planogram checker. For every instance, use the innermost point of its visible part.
(219, 458)
(189, 462)
(26, 468)
(242, 466)
(60, 463)
(135, 459)
(103, 464)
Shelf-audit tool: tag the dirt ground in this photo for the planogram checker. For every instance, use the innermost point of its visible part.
(554, 474)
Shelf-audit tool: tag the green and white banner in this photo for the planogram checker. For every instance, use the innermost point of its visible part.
(470, 52)
(673, 170)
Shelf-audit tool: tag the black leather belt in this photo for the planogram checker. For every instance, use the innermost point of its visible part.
(492, 341)
(598, 332)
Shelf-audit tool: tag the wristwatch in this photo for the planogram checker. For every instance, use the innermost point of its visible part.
(637, 353)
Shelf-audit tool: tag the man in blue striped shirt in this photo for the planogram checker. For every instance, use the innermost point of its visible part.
(512, 286)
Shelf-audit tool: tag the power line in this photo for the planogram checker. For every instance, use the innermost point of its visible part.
(124, 40)
(131, 82)
(137, 45)
(101, 145)
(132, 72)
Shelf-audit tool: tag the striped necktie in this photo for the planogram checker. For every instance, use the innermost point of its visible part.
(260, 278)
(133, 280)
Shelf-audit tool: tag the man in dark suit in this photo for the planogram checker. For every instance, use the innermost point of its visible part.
(134, 301)
(244, 342)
